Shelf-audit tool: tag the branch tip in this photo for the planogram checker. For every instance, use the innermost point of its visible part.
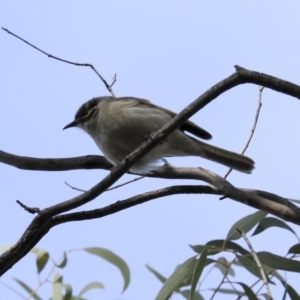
(32, 210)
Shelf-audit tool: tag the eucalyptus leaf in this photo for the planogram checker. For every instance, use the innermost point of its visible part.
(216, 246)
(90, 286)
(57, 287)
(251, 266)
(248, 291)
(294, 249)
(28, 289)
(279, 262)
(63, 262)
(186, 295)
(113, 259)
(272, 222)
(181, 273)
(160, 277)
(200, 265)
(245, 224)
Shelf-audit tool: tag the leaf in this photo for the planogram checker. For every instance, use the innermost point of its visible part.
(68, 293)
(224, 267)
(91, 286)
(42, 257)
(251, 266)
(248, 291)
(28, 289)
(181, 273)
(290, 290)
(279, 262)
(212, 250)
(200, 265)
(295, 249)
(245, 224)
(186, 295)
(272, 222)
(64, 261)
(216, 246)
(57, 287)
(113, 259)
(160, 277)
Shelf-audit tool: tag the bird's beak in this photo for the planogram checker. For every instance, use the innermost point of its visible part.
(72, 124)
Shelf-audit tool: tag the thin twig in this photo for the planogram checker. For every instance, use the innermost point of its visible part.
(256, 259)
(49, 217)
(32, 210)
(260, 90)
(218, 287)
(127, 182)
(46, 279)
(108, 87)
(112, 188)
(75, 188)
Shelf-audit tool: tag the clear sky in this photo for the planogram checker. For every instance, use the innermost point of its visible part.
(169, 52)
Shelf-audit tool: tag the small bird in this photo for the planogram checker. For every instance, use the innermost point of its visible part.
(120, 125)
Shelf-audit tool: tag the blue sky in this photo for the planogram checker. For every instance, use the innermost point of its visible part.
(169, 52)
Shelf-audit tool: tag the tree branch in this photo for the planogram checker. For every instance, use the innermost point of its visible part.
(108, 87)
(42, 223)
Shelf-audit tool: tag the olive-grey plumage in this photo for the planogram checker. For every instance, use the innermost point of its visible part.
(120, 125)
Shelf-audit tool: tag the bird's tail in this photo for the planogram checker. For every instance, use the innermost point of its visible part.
(227, 158)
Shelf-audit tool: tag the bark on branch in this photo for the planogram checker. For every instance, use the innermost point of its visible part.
(51, 216)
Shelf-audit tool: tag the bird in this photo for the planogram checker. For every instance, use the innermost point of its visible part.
(118, 125)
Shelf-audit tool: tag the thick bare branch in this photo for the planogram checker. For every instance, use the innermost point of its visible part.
(55, 164)
(44, 221)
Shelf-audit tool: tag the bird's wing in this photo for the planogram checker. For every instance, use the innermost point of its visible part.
(187, 126)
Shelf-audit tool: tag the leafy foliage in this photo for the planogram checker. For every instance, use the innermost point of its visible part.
(191, 273)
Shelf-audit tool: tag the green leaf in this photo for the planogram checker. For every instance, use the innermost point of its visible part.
(245, 224)
(57, 287)
(216, 246)
(113, 259)
(223, 265)
(251, 266)
(212, 250)
(186, 295)
(182, 273)
(294, 249)
(248, 291)
(160, 277)
(91, 286)
(42, 257)
(28, 289)
(292, 293)
(64, 261)
(68, 292)
(200, 265)
(290, 290)
(279, 262)
(272, 222)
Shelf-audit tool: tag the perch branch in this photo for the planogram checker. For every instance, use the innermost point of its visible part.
(42, 223)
